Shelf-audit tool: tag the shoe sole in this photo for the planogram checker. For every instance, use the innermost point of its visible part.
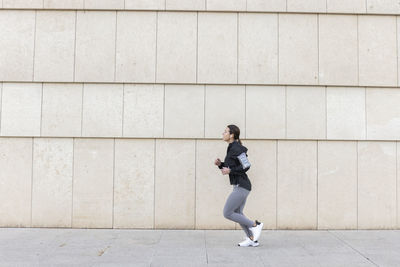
(254, 245)
(249, 246)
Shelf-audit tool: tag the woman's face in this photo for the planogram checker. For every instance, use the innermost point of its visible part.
(226, 135)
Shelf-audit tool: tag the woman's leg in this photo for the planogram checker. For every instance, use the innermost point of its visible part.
(246, 229)
(233, 203)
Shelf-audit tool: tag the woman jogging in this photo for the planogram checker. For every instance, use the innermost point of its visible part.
(236, 165)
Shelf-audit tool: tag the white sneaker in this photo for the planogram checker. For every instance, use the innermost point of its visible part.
(256, 230)
(248, 243)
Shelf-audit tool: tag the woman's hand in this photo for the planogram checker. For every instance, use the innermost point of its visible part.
(225, 170)
(217, 162)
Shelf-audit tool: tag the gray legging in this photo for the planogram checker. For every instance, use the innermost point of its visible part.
(234, 206)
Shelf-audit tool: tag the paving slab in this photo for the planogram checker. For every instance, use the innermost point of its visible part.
(135, 247)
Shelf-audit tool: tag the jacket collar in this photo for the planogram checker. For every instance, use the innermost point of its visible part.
(231, 144)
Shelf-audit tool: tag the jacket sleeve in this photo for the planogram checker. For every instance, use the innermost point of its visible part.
(238, 170)
(222, 165)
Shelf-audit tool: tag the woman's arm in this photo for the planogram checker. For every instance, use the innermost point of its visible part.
(238, 169)
(219, 163)
(242, 166)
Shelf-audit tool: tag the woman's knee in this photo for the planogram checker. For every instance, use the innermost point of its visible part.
(227, 213)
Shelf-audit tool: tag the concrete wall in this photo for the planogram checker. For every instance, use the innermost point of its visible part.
(111, 112)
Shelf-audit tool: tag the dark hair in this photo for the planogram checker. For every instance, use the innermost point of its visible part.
(233, 129)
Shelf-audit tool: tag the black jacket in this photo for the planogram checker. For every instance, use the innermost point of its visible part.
(238, 174)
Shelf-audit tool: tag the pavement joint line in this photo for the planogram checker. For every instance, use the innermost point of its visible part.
(347, 244)
(155, 248)
(205, 244)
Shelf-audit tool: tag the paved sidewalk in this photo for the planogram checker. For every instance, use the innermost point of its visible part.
(111, 247)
